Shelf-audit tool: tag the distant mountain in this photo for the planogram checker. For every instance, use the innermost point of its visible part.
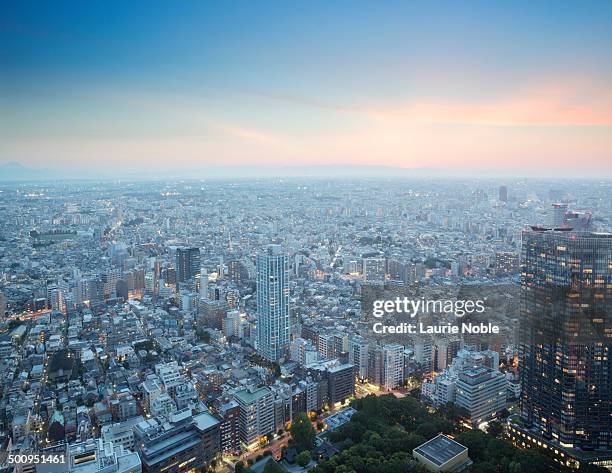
(13, 171)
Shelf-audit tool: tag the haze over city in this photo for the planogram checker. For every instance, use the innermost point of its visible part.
(305, 237)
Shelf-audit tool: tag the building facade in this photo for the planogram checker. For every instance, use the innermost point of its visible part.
(565, 365)
(273, 303)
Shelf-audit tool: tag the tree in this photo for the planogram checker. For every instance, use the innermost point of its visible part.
(14, 323)
(495, 428)
(484, 467)
(476, 442)
(588, 468)
(303, 433)
(303, 458)
(428, 431)
(453, 412)
(273, 467)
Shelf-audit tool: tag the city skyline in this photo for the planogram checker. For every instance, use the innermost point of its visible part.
(477, 88)
(305, 237)
(218, 326)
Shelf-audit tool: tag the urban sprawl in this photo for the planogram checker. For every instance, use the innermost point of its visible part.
(228, 325)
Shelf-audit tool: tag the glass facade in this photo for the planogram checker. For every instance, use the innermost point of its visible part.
(566, 375)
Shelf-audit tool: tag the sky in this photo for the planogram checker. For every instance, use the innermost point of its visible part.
(522, 88)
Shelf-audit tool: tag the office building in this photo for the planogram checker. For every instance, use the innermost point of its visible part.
(558, 214)
(565, 364)
(482, 391)
(339, 378)
(180, 442)
(187, 263)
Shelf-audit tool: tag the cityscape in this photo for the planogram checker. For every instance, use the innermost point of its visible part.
(192, 325)
(305, 237)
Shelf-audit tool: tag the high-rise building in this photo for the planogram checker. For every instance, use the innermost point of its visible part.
(338, 377)
(256, 413)
(232, 324)
(482, 391)
(230, 426)
(187, 263)
(2, 306)
(444, 350)
(358, 356)
(565, 365)
(272, 303)
(58, 301)
(375, 365)
(203, 284)
(503, 193)
(393, 365)
(374, 270)
(558, 214)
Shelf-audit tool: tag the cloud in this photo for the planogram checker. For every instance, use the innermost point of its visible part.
(567, 102)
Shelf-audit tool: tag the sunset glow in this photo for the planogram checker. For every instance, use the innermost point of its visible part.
(497, 89)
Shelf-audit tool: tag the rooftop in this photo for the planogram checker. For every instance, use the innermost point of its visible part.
(440, 449)
(248, 396)
(205, 421)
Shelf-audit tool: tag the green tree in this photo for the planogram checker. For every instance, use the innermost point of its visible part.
(303, 458)
(273, 467)
(303, 433)
(453, 412)
(593, 469)
(534, 462)
(204, 336)
(495, 428)
(484, 467)
(476, 441)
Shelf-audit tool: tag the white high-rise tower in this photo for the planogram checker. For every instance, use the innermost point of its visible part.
(272, 303)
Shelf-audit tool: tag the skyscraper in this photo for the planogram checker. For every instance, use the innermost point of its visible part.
(272, 303)
(503, 194)
(187, 263)
(566, 325)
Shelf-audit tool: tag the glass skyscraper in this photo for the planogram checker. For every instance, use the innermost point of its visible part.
(566, 333)
(272, 303)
